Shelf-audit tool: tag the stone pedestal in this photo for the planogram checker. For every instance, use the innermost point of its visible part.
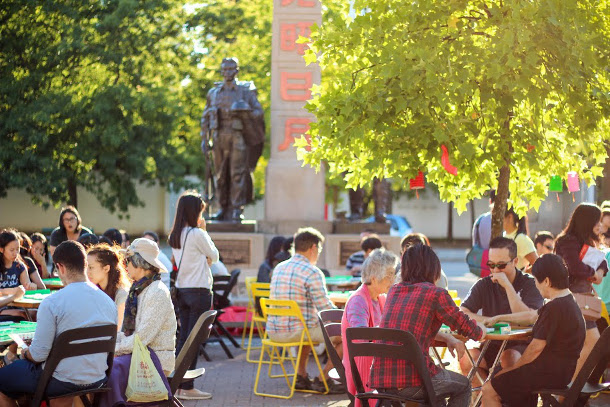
(246, 226)
(345, 227)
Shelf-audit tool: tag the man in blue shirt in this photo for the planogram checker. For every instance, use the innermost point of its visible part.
(79, 304)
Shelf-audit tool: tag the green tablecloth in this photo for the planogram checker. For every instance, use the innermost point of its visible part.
(54, 281)
(23, 329)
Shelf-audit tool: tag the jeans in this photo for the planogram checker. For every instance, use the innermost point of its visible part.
(446, 384)
(21, 377)
(192, 303)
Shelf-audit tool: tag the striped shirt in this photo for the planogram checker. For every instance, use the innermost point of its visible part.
(298, 280)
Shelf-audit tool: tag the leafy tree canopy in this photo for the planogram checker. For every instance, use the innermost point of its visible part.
(510, 86)
(90, 96)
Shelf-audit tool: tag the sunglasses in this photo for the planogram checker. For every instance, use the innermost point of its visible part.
(499, 266)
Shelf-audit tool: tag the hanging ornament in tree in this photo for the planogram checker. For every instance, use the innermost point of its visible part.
(445, 161)
(417, 183)
(556, 185)
(573, 183)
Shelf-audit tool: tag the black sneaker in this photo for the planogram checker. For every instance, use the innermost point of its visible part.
(303, 383)
(333, 386)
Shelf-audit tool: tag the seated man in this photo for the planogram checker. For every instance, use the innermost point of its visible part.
(544, 242)
(79, 304)
(355, 261)
(559, 334)
(299, 279)
(368, 244)
(506, 291)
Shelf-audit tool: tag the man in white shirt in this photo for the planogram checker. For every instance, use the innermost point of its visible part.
(79, 304)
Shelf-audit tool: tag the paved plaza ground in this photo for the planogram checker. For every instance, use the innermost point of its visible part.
(231, 381)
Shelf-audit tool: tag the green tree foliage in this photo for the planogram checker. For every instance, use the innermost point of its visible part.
(90, 96)
(512, 88)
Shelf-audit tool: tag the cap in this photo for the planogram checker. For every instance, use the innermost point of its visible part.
(148, 250)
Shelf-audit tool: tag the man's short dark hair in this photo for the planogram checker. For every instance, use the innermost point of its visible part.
(371, 243)
(542, 236)
(504, 243)
(551, 266)
(72, 255)
(307, 237)
(419, 265)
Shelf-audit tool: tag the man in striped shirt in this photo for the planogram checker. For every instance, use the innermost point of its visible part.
(299, 279)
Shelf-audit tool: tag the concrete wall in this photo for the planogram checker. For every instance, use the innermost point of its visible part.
(18, 211)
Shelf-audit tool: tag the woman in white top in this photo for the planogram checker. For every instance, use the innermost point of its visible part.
(193, 252)
(149, 311)
(105, 269)
(515, 228)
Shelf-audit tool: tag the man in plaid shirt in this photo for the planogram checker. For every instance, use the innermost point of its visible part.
(299, 279)
(418, 306)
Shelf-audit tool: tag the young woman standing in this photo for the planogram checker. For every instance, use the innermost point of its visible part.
(193, 252)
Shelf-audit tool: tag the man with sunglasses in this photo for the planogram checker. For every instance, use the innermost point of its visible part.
(506, 291)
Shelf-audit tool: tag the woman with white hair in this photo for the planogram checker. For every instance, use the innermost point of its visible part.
(365, 307)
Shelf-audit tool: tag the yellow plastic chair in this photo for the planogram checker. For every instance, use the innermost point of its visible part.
(257, 290)
(249, 309)
(285, 308)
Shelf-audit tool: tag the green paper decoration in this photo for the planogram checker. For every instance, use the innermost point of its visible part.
(556, 184)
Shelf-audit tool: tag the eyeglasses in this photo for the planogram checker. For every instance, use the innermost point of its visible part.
(70, 219)
(499, 266)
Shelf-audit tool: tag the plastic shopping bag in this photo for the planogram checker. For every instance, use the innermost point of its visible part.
(144, 383)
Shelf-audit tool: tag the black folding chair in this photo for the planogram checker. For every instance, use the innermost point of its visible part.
(330, 321)
(199, 334)
(587, 382)
(222, 287)
(99, 339)
(389, 343)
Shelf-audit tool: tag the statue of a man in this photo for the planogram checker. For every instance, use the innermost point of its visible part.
(233, 126)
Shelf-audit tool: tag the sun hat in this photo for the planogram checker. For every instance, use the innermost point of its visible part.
(148, 250)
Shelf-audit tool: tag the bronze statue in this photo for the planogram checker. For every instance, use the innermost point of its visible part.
(233, 127)
(381, 197)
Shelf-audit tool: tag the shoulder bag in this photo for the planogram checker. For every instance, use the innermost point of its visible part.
(477, 256)
(173, 289)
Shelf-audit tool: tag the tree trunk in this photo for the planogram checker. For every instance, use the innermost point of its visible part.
(450, 222)
(473, 216)
(72, 196)
(605, 180)
(497, 215)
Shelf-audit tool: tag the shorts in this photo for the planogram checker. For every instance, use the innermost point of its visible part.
(22, 376)
(494, 348)
(315, 332)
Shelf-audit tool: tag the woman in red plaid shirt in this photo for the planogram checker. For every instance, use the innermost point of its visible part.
(418, 306)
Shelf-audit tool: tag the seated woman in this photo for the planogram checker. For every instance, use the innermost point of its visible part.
(13, 274)
(39, 252)
(149, 313)
(266, 268)
(365, 306)
(26, 257)
(105, 269)
(418, 306)
(559, 334)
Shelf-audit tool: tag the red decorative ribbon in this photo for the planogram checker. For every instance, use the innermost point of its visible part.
(445, 161)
